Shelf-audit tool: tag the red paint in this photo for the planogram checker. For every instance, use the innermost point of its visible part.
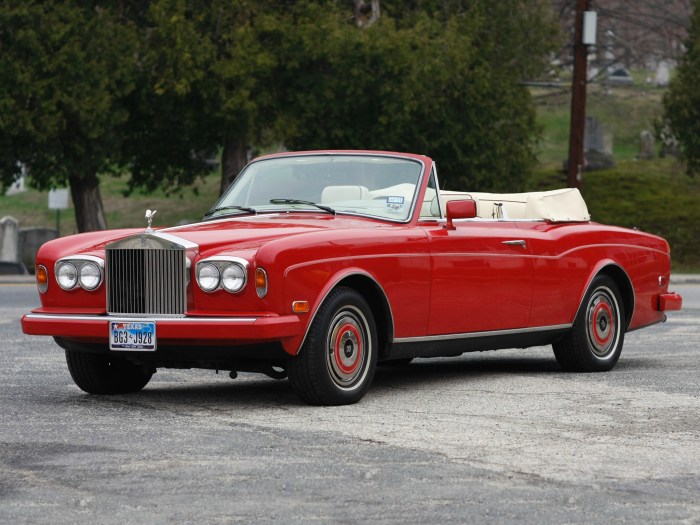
(670, 301)
(602, 338)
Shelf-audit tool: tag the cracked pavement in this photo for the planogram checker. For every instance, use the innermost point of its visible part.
(491, 437)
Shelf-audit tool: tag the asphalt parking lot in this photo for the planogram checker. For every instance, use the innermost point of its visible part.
(495, 437)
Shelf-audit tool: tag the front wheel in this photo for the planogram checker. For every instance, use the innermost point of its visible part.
(594, 342)
(105, 373)
(337, 361)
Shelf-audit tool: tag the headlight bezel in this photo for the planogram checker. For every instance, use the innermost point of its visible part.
(234, 283)
(222, 264)
(79, 263)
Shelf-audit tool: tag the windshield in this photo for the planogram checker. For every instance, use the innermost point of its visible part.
(372, 185)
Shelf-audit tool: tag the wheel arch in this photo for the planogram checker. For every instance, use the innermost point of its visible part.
(378, 303)
(624, 285)
(377, 300)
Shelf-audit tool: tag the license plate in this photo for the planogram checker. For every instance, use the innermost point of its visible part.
(132, 335)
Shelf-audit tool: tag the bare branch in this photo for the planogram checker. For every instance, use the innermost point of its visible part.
(366, 14)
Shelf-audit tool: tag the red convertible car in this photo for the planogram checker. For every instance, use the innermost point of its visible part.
(317, 266)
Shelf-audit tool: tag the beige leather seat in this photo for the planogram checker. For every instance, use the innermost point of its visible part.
(344, 193)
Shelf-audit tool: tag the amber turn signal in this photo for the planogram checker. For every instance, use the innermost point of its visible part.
(300, 307)
(42, 278)
(261, 282)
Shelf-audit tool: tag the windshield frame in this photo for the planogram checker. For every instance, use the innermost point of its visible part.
(292, 208)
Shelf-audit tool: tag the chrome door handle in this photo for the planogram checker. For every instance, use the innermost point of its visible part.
(518, 242)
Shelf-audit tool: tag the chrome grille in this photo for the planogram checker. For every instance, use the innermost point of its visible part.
(146, 281)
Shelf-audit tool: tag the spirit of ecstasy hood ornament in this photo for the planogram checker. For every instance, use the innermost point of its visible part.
(149, 218)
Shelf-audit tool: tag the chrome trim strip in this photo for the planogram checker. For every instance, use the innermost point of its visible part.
(97, 260)
(481, 219)
(157, 319)
(472, 335)
(225, 258)
(187, 245)
(437, 195)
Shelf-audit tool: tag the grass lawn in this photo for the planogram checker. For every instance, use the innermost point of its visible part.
(190, 204)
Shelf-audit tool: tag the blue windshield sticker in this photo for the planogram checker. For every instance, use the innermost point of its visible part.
(394, 203)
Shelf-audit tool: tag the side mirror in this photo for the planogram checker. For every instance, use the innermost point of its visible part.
(464, 209)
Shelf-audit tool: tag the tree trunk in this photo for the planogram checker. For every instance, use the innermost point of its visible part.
(233, 160)
(89, 212)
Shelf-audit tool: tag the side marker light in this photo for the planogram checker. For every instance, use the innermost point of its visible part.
(300, 307)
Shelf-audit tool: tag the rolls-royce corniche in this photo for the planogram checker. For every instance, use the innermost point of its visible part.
(320, 266)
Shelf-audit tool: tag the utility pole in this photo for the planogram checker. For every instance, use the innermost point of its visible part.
(578, 97)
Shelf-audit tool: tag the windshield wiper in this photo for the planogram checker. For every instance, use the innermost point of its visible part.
(298, 201)
(238, 208)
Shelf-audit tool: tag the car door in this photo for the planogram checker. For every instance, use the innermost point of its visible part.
(481, 277)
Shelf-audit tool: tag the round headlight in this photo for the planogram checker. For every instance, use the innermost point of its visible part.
(67, 275)
(90, 276)
(208, 277)
(233, 278)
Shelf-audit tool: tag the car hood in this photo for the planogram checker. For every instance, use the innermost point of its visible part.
(251, 232)
(246, 233)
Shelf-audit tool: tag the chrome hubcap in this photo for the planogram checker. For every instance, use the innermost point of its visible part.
(602, 322)
(347, 350)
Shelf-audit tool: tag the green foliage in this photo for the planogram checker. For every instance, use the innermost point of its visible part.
(439, 79)
(65, 70)
(205, 80)
(682, 101)
(155, 88)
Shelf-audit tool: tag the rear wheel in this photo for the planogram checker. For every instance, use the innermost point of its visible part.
(594, 342)
(105, 373)
(337, 362)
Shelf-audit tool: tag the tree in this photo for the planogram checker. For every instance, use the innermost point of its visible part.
(437, 78)
(207, 81)
(682, 101)
(66, 68)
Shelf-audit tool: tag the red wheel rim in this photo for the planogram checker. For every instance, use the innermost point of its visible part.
(347, 347)
(602, 324)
